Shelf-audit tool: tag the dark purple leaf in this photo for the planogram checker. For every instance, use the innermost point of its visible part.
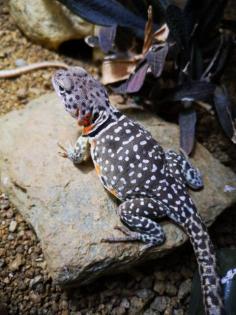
(177, 25)
(106, 38)
(187, 123)
(224, 112)
(211, 17)
(135, 82)
(121, 89)
(193, 91)
(219, 59)
(156, 58)
(106, 13)
(204, 15)
(196, 62)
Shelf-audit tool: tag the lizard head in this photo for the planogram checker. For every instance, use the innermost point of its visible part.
(83, 96)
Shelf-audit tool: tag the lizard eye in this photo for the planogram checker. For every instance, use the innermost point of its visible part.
(64, 84)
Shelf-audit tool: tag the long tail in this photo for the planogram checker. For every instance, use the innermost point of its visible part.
(204, 251)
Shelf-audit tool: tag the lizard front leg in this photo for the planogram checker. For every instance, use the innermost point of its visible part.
(79, 153)
(139, 215)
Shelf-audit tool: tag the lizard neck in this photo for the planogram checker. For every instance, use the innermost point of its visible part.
(104, 119)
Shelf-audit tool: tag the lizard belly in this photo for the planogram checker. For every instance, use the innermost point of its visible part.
(128, 160)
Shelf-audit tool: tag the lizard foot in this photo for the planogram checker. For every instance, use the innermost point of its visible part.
(64, 153)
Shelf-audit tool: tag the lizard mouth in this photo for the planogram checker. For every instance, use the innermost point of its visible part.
(85, 120)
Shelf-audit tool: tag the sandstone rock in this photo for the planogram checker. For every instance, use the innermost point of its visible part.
(48, 22)
(68, 207)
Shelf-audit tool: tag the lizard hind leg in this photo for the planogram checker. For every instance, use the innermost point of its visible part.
(139, 215)
(180, 165)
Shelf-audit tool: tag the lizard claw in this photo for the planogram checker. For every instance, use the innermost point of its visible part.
(64, 153)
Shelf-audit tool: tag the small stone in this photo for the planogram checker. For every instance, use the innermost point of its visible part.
(9, 213)
(12, 226)
(16, 263)
(4, 202)
(178, 312)
(36, 298)
(119, 310)
(21, 93)
(2, 252)
(6, 280)
(10, 237)
(145, 294)
(136, 305)
(64, 305)
(2, 262)
(184, 289)
(151, 312)
(159, 287)
(35, 281)
(20, 62)
(125, 303)
(159, 275)
(160, 303)
(147, 282)
(171, 289)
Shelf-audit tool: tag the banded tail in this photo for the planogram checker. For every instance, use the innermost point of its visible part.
(204, 251)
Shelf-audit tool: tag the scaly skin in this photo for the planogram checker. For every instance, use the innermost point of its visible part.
(150, 183)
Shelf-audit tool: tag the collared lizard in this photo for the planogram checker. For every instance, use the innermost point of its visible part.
(149, 182)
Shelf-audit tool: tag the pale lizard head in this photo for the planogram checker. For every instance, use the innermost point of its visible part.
(83, 96)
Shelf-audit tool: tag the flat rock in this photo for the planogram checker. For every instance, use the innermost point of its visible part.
(67, 206)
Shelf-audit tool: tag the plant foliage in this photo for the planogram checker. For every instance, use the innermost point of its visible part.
(187, 44)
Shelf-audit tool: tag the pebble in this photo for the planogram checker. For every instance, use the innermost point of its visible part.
(12, 226)
(145, 293)
(125, 303)
(2, 262)
(16, 263)
(36, 298)
(160, 303)
(159, 275)
(184, 289)
(159, 287)
(151, 312)
(21, 93)
(4, 202)
(119, 310)
(35, 281)
(170, 289)
(20, 62)
(137, 305)
(147, 282)
(178, 312)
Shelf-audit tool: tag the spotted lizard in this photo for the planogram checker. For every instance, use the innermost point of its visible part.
(149, 182)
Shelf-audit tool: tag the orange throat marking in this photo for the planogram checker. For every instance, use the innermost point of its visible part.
(87, 129)
(113, 192)
(97, 168)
